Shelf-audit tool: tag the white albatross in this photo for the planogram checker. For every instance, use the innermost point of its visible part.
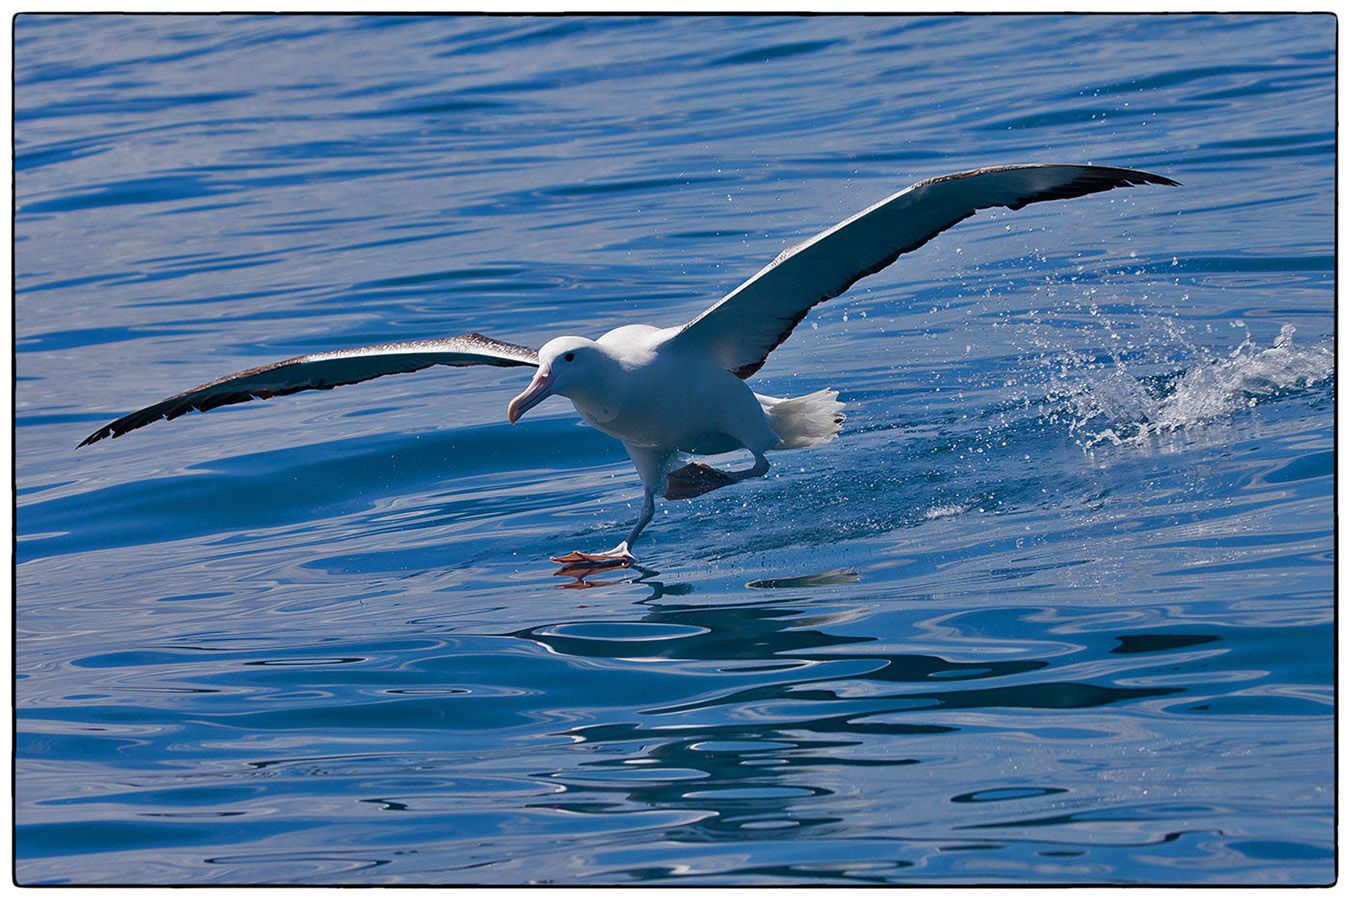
(666, 391)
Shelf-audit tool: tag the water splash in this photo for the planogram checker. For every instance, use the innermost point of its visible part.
(945, 511)
(1114, 405)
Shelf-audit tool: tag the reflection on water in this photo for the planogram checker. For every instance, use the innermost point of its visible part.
(593, 574)
(797, 734)
(759, 762)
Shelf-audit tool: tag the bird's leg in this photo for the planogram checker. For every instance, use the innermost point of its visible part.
(696, 479)
(758, 470)
(648, 510)
(651, 464)
(622, 554)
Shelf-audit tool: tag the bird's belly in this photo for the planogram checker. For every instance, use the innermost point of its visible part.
(664, 428)
(709, 444)
(680, 416)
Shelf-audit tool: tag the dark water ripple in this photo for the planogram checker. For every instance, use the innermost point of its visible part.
(1051, 610)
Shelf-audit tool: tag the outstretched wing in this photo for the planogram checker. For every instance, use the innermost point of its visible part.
(745, 326)
(322, 371)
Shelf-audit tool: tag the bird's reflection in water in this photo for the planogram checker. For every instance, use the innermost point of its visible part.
(739, 774)
(599, 574)
(751, 756)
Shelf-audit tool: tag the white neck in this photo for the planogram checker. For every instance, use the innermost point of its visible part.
(600, 399)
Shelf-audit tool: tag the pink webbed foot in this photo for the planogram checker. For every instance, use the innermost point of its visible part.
(695, 480)
(619, 556)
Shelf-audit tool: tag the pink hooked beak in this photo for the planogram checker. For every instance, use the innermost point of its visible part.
(540, 388)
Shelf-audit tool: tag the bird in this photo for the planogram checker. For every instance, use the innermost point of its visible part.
(669, 391)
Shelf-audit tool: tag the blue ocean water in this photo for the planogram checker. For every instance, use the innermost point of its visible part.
(1056, 607)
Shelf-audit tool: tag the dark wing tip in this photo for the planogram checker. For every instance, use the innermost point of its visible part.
(1142, 177)
(1093, 179)
(1130, 177)
(121, 426)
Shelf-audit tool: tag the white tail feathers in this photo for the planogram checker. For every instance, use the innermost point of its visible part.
(804, 421)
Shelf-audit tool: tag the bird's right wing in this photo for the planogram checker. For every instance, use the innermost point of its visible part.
(744, 327)
(322, 371)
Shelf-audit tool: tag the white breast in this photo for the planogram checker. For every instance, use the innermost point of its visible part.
(676, 399)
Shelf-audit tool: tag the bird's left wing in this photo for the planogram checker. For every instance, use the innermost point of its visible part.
(322, 371)
(745, 326)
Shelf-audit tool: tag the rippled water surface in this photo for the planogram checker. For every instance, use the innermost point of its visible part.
(1055, 607)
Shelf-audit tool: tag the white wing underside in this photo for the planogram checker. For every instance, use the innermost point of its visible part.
(745, 326)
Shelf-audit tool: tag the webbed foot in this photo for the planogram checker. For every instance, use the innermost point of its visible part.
(695, 480)
(619, 556)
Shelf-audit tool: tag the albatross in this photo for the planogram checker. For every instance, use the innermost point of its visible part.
(676, 390)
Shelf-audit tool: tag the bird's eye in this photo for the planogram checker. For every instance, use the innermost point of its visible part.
(569, 356)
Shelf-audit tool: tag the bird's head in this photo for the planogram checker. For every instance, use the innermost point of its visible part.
(568, 366)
